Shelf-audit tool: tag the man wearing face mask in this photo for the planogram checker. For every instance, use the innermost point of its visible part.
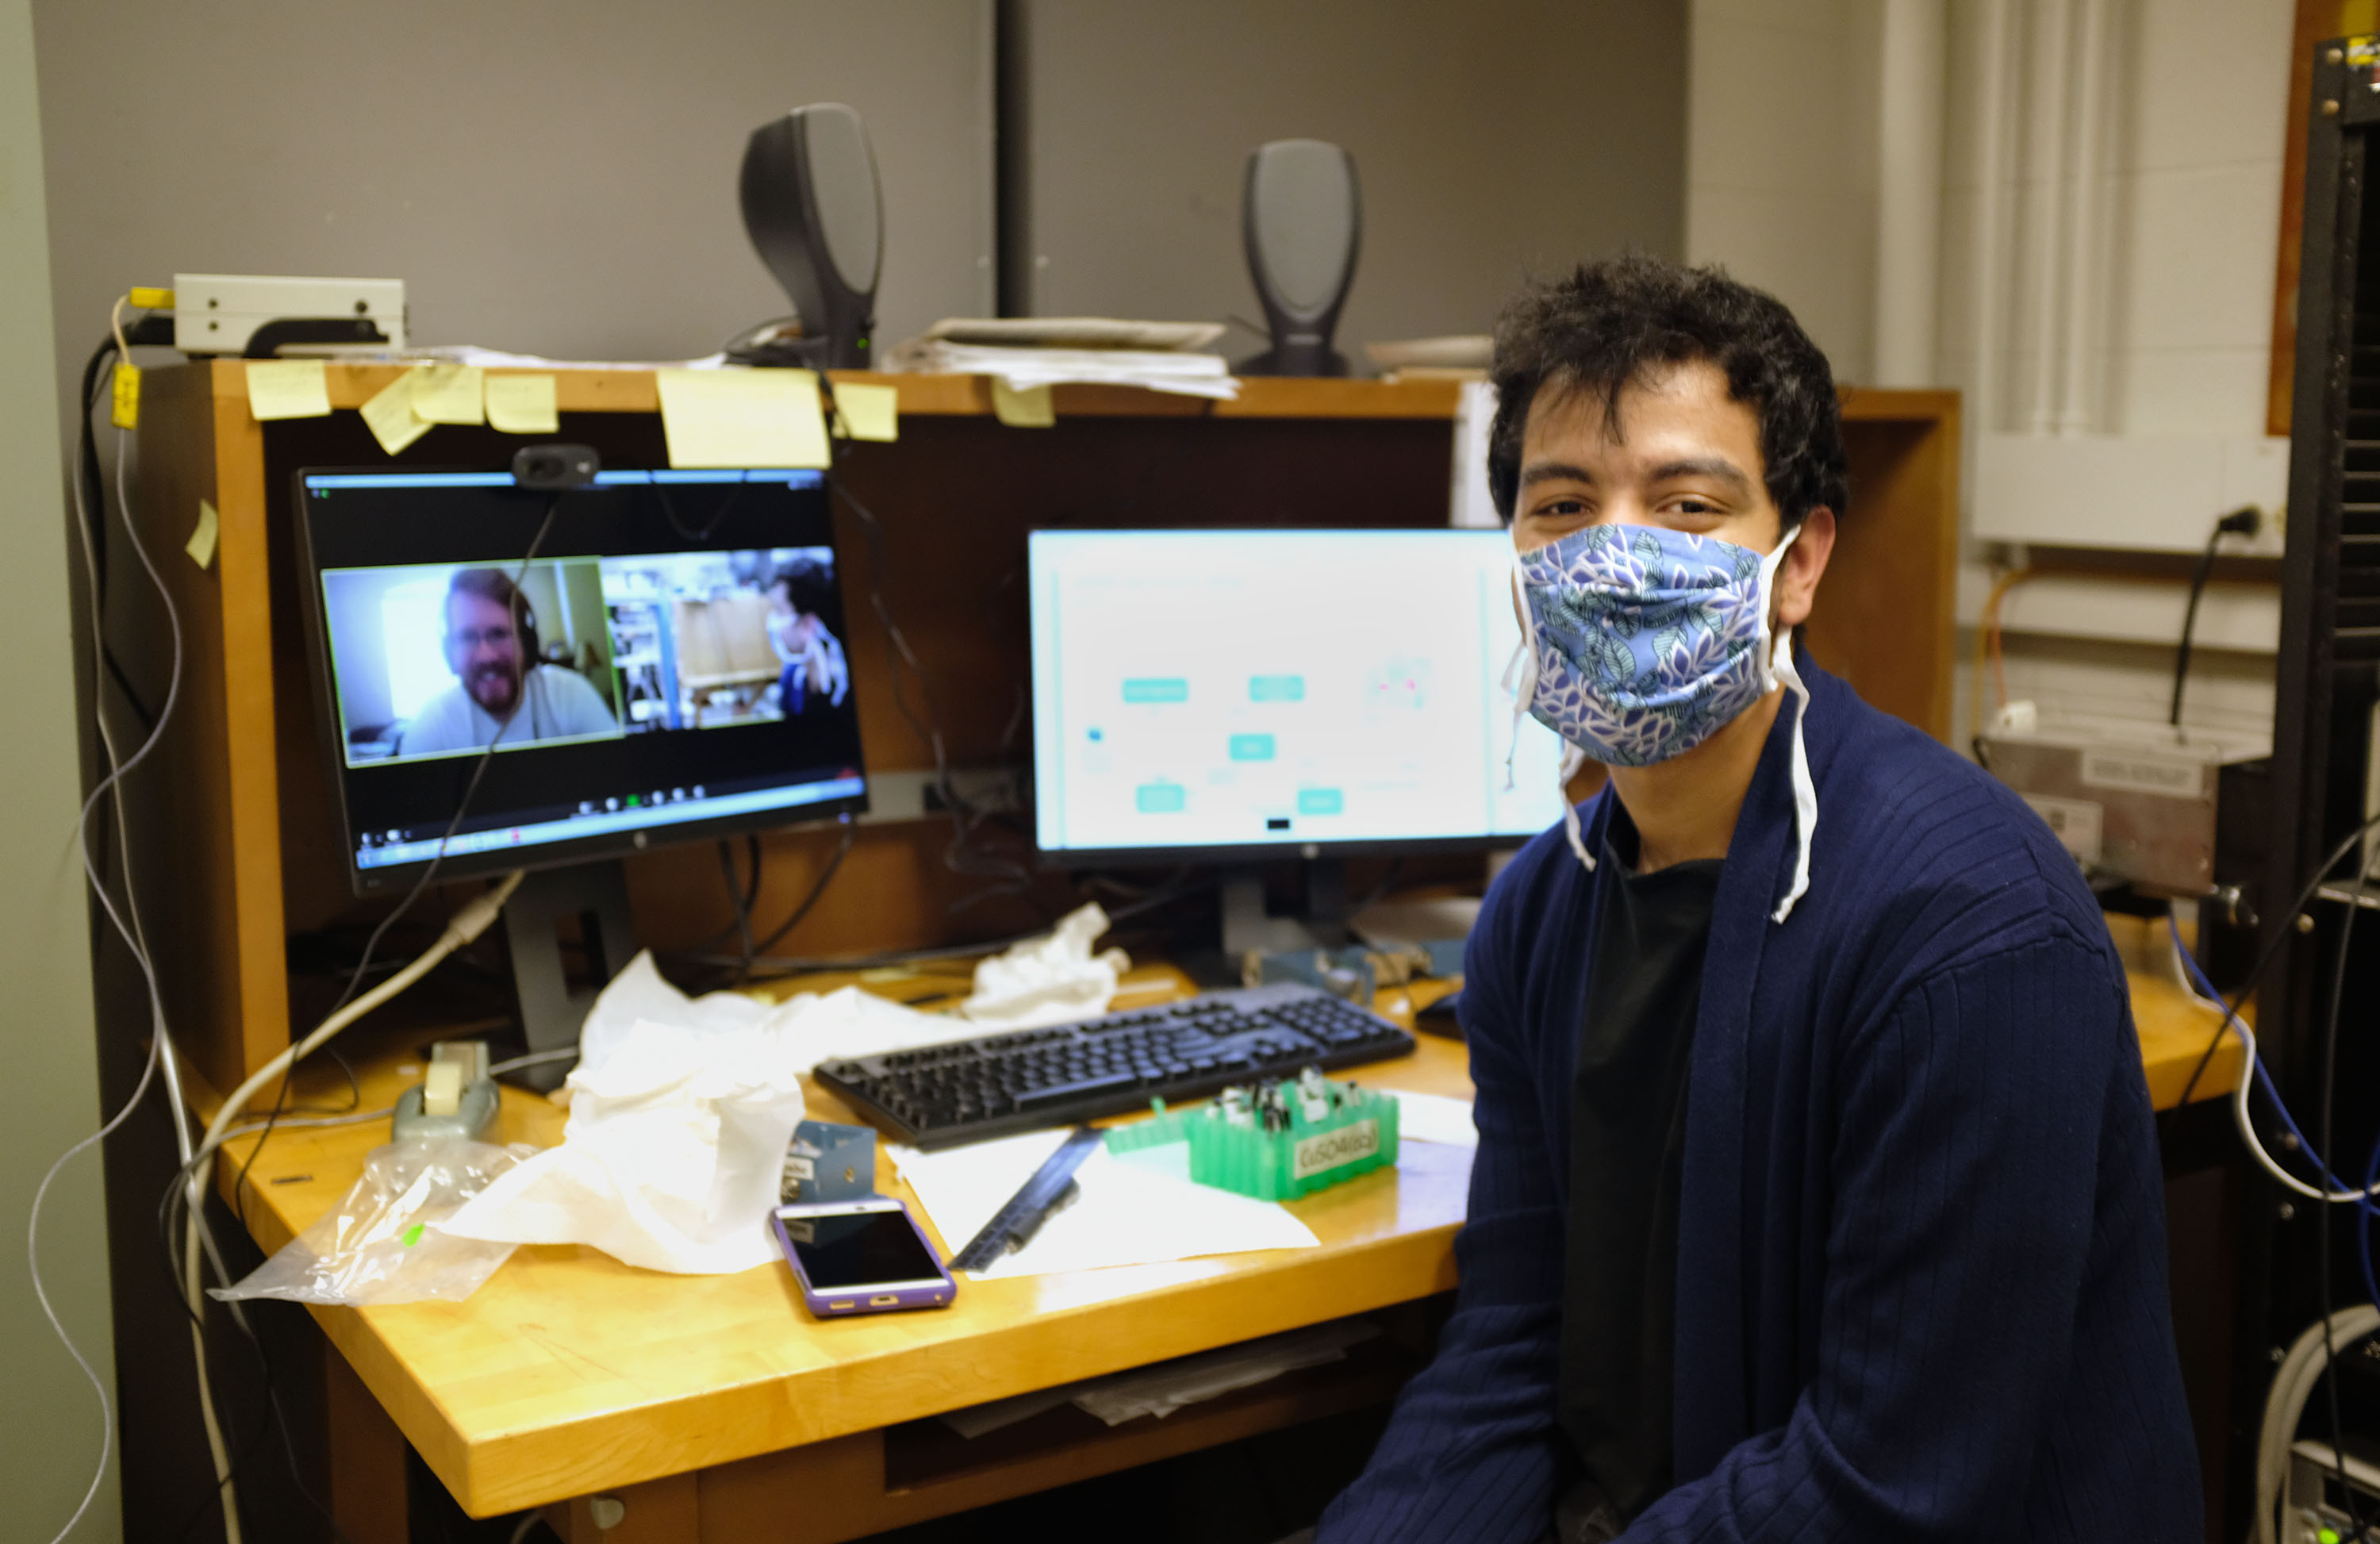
(1816, 1195)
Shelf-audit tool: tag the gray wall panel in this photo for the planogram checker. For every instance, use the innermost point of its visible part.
(49, 1412)
(1491, 140)
(547, 176)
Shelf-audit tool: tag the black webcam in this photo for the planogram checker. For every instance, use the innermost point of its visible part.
(555, 468)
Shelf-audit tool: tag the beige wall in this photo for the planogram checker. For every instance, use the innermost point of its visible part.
(1783, 189)
(2191, 200)
(2189, 204)
(1489, 140)
(49, 1096)
(552, 176)
(1780, 160)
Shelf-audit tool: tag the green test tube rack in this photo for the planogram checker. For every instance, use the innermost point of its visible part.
(1322, 1134)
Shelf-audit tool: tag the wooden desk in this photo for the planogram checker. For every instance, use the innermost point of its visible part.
(703, 1403)
(717, 1397)
(2174, 1025)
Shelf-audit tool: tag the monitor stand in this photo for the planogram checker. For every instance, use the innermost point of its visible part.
(554, 1003)
(1248, 928)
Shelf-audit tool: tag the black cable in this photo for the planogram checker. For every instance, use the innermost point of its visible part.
(273, 1415)
(430, 872)
(826, 877)
(960, 857)
(736, 898)
(2322, 1215)
(2264, 956)
(2240, 522)
(94, 509)
(740, 901)
(793, 966)
(718, 517)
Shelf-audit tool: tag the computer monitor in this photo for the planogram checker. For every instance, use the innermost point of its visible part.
(672, 666)
(1232, 696)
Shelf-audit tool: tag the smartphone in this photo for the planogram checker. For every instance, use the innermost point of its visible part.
(861, 1257)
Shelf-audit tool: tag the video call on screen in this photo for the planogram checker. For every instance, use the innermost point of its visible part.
(688, 634)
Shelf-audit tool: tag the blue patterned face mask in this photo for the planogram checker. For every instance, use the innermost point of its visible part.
(1641, 642)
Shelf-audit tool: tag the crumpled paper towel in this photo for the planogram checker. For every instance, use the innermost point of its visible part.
(671, 1158)
(846, 1022)
(1050, 979)
(680, 1112)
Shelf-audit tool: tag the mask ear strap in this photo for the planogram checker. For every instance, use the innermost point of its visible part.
(1805, 791)
(1520, 675)
(1573, 759)
(1770, 675)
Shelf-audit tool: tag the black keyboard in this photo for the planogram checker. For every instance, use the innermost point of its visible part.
(940, 1096)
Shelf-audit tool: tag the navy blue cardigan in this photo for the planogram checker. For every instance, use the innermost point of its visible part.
(1921, 1288)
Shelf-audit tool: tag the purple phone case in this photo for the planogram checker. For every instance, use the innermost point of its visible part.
(859, 1300)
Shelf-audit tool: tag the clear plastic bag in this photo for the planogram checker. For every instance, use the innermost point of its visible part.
(382, 1243)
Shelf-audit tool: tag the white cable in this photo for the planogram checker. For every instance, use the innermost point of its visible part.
(2285, 1404)
(468, 924)
(168, 1061)
(33, 1230)
(2247, 1126)
(110, 787)
(535, 1058)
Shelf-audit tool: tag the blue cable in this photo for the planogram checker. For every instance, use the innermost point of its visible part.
(2363, 1211)
(2264, 1078)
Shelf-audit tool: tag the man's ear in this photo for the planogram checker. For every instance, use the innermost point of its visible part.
(1804, 564)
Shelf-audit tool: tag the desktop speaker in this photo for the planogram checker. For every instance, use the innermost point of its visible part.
(816, 216)
(1303, 220)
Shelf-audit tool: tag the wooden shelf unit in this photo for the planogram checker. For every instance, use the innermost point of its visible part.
(238, 845)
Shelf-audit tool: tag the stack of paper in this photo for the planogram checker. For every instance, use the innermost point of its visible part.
(1073, 332)
(1164, 1387)
(1045, 351)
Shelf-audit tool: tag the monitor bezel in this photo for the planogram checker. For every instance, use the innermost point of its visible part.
(1240, 855)
(624, 843)
(1060, 858)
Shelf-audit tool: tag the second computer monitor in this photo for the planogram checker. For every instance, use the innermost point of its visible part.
(1235, 695)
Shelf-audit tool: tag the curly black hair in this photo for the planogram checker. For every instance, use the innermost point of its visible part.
(1601, 329)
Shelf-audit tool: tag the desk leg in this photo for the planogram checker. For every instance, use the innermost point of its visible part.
(367, 1458)
(658, 1512)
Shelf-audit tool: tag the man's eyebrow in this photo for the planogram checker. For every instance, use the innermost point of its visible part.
(1717, 466)
(1555, 471)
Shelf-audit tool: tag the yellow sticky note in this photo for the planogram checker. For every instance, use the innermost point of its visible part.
(288, 389)
(449, 394)
(389, 414)
(127, 411)
(743, 418)
(867, 412)
(201, 544)
(1029, 408)
(523, 405)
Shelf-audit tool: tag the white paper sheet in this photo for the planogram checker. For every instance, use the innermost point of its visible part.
(1435, 1118)
(1128, 1213)
(1023, 369)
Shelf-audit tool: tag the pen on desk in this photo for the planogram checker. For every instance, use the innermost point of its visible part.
(1023, 1232)
(1035, 1201)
